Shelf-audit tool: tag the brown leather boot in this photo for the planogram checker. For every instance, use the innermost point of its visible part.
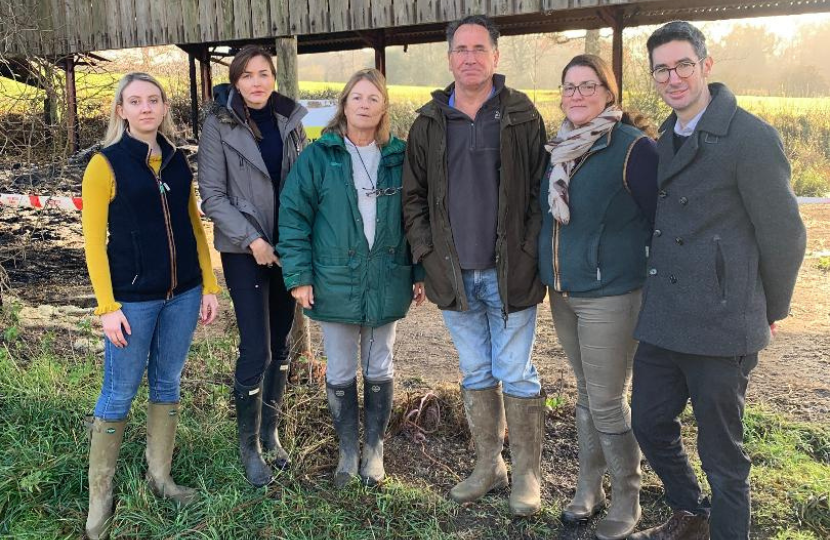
(681, 526)
(485, 417)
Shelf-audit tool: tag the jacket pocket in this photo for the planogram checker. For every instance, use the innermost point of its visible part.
(720, 268)
(397, 291)
(438, 282)
(593, 252)
(334, 294)
(136, 257)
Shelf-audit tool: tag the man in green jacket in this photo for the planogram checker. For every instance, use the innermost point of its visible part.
(471, 182)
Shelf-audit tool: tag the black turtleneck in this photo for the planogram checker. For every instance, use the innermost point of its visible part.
(271, 144)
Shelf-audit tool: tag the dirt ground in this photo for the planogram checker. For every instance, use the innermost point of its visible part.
(42, 255)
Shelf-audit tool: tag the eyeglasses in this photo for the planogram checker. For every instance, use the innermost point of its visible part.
(382, 192)
(478, 52)
(684, 70)
(586, 89)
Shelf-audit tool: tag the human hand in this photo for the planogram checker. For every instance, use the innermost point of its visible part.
(113, 323)
(418, 293)
(263, 253)
(209, 308)
(304, 294)
(773, 329)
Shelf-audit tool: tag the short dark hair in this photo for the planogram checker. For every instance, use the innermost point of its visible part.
(480, 20)
(245, 55)
(677, 31)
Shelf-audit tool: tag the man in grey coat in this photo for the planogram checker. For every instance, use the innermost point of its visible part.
(727, 245)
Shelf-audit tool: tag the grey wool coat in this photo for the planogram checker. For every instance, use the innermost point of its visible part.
(728, 238)
(237, 192)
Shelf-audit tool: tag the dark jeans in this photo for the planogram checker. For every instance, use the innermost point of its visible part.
(264, 314)
(663, 383)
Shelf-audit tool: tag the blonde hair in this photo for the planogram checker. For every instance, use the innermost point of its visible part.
(117, 125)
(338, 123)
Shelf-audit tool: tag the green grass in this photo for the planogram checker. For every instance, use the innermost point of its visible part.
(44, 396)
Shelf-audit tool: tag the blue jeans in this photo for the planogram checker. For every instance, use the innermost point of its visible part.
(162, 331)
(490, 350)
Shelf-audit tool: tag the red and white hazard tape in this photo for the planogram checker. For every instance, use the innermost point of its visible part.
(76, 203)
(40, 201)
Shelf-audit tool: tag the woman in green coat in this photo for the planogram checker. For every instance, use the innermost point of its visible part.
(345, 259)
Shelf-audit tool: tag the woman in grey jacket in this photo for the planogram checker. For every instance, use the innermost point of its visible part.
(248, 145)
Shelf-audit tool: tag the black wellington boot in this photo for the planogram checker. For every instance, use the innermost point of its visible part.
(273, 389)
(344, 412)
(377, 408)
(248, 418)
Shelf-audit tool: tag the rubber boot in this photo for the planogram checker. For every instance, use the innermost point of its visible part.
(377, 408)
(162, 420)
(248, 401)
(590, 497)
(105, 444)
(623, 457)
(273, 389)
(485, 418)
(344, 412)
(526, 425)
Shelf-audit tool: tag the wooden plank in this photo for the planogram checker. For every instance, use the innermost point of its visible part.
(339, 18)
(175, 22)
(527, 6)
(260, 18)
(403, 13)
(143, 21)
(360, 12)
(428, 11)
(224, 20)
(475, 7)
(113, 28)
(319, 21)
(279, 17)
(500, 7)
(191, 22)
(242, 19)
(298, 17)
(129, 30)
(382, 13)
(207, 20)
(59, 25)
(158, 24)
(287, 81)
(97, 28)
(451, 10)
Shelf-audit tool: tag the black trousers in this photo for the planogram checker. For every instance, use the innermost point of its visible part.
(264, 314)
(664, 381)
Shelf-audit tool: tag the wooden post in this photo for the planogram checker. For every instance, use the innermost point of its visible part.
(287, 79)
(613, 17)
(194, 96)
(287, 82)
(72, 105)
(380, 52)
(206, 74)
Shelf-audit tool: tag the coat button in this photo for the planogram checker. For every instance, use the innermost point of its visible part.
(657, 232)
(652, 271)
(662, 194)
(672, 279)
(679, 241)
(683, 201)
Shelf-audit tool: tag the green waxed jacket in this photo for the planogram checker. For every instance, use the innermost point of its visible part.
(322, 243)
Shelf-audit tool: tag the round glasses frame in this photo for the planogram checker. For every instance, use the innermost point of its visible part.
(684, 70)
(586, 89)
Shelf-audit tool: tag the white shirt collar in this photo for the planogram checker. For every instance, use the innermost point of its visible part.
(689, 128)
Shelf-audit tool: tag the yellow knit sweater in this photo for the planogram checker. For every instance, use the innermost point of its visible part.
(97, 191)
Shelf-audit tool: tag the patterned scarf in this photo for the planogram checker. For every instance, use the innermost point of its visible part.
(570, 144)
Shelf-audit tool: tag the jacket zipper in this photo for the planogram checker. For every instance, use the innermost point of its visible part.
(163, 189)
(557, 277)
